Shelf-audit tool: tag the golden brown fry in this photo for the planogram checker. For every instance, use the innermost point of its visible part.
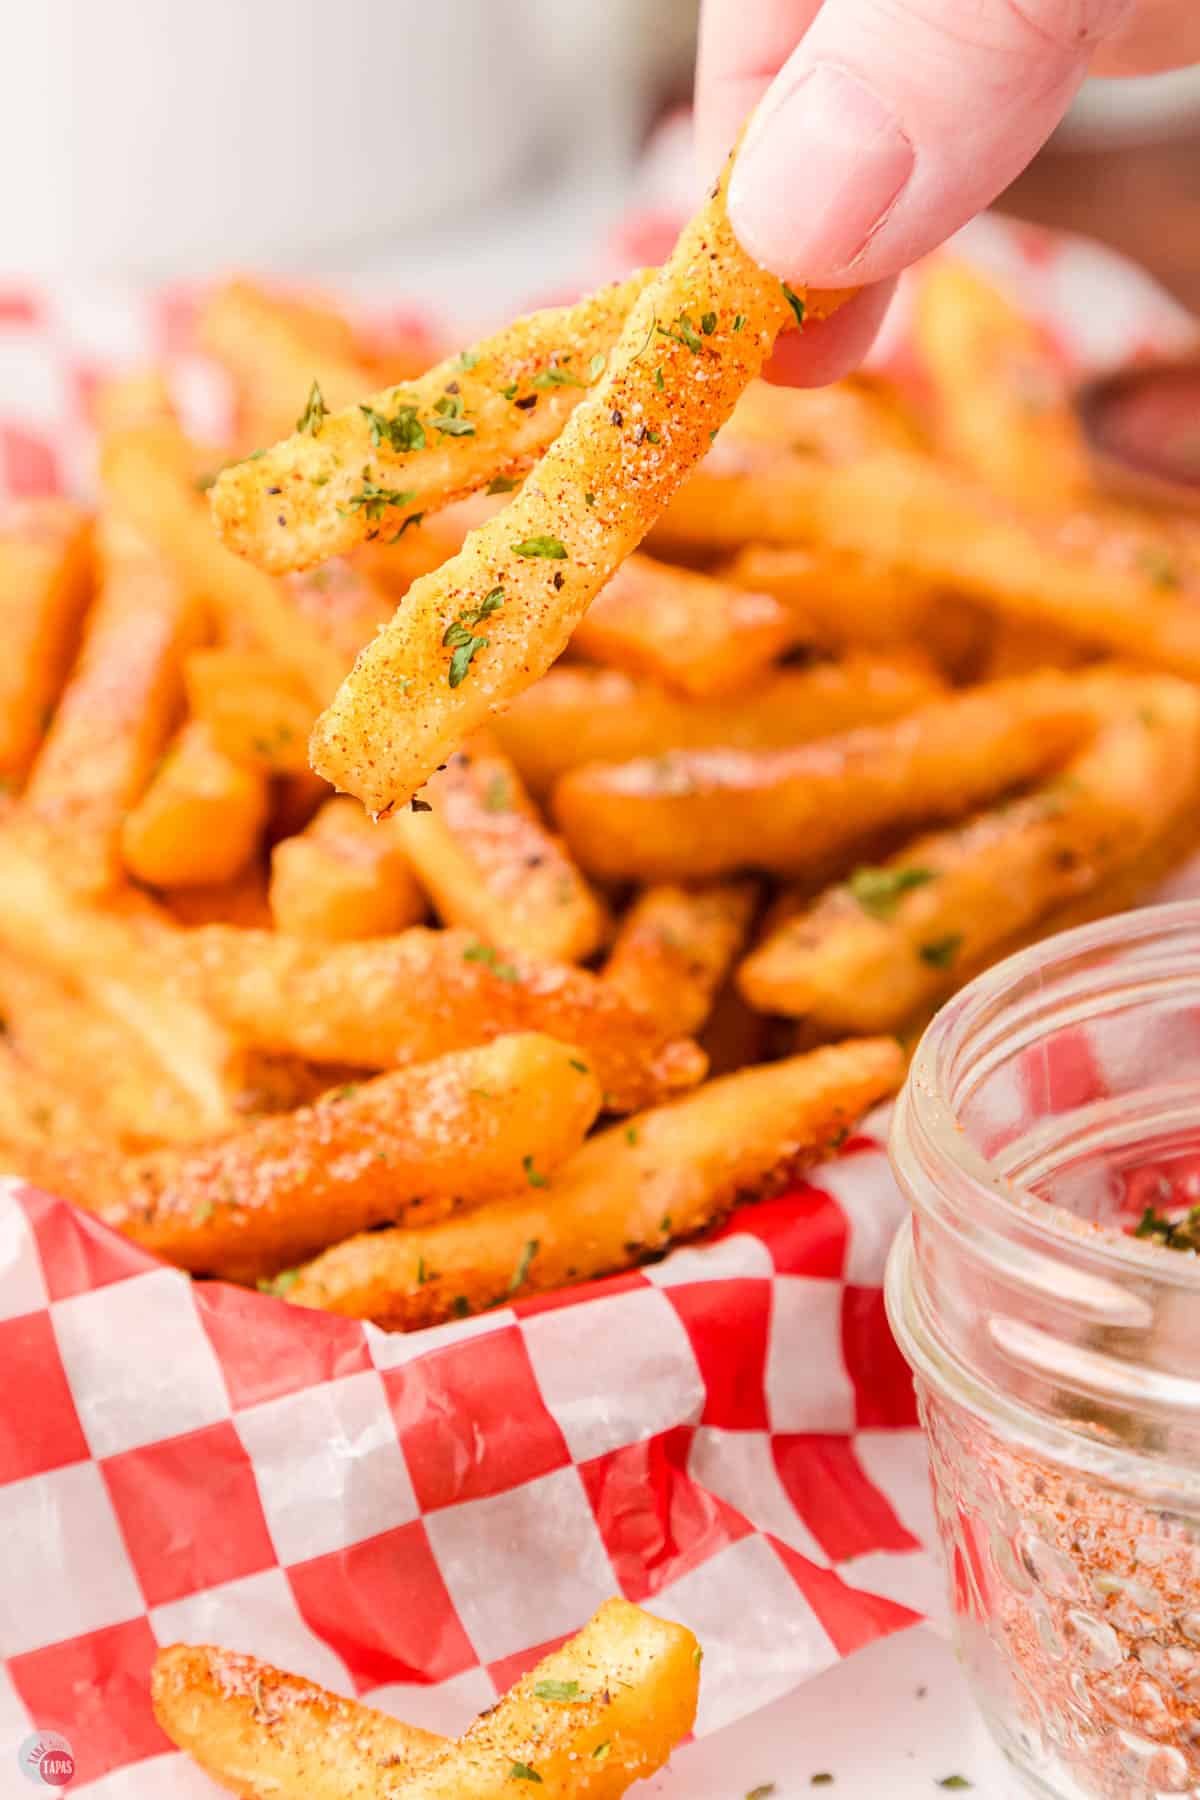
(267, 1735)
(148, 474)
(395, 563)
(45, 587)
(893, 939)
(344, 604)
(1000, 390)
(1022, 646)
(675, 946)
(409, 998)
(700, 813)
(240, 902)
(633, 1682)
(37, 1114)
(344, 877)
(694, 634)
(114, 718)
(257, 710)
(628, 1194)
(470, 637)
(411, 440)
(487, 860)
(198, 821)
(847, 420)
(843, 598)
(734, 1034)
(574, 716)
(748, 492)
(417, 1145)
(119, 958)
(130, 1094)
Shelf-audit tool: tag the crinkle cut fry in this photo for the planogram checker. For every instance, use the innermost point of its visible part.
(470, 636)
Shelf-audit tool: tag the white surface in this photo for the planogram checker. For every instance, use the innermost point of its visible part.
(887, 1724)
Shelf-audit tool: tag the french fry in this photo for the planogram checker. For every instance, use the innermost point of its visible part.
(257, 711)
(675, 946)
(698, 813)
(344, 877)
(734, 1034)
(267, 1735)
(628, 1194)
(467, 639)
(1022, 646)
(1000, 390)
(845, 420)
(37, 1114)
(117, 958)
(243, 902)
(844, 599)
(129, 1094)
(148, 474)
(45, 587)
(343, 603)
(694, 634)
(393, 564)
(406, 999)
(408, 446)
(487, 860)
(419, 1144)
(574, 716)
(198, 821)
(749, 492)
(883, 946)
(138, 396)
(114, 717)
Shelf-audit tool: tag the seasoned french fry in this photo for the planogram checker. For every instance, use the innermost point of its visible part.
(402, 443)
(409, 998)
(117, 958)
(45, 587)
(1000, 390)
(130, 1094)
(846, 420)
(484, 855)
(734, 1034)
(393, 564)
(748, 492)
(243, 901)
(874, 951)
(344, 877)
(343, 603)
(37, 1114)
(1022, 646)
(199, 819)
(574, 716)
(629, 1193)
(114, 717)
(845, 599)
(675, 946)
(256, 709)
(137, 396)
(419, 1145)
(691, 632)
(699, 813)
(148, 473)
(632, 1681)
(267, 1735)
(470, 637)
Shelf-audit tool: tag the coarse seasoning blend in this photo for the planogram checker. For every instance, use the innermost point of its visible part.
(1047, 1295)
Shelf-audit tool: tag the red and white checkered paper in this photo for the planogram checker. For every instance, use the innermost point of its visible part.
(728, 1436)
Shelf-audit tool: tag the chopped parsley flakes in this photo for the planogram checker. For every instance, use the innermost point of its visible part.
(465, 643)
(797, 305)
(313, 416)
(372, 500)
(484, 953)
(559, 1691)
(940, 953)
(879, 891)
(550, 547)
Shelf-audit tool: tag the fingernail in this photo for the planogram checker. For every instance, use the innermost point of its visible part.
(819, 172)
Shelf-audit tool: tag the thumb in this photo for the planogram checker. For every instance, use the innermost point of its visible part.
(895, 121)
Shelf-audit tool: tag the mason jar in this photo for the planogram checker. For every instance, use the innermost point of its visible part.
(1046, 1292)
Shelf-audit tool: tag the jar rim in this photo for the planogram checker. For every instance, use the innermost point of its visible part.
(997, 1203)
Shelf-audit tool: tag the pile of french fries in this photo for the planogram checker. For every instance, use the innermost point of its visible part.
(648, 864)
(603, 1711)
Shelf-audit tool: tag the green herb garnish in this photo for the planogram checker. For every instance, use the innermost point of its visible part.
(542, 546)
(278, 1284)
(555, 376)
(600, 1753)
(484, 953)
(523, 1262)
(449, 420)
(596, 366)
(373, 500)
(501, 484)
(940, 953)
(1172, 1234)
(681, 331)
(531, 1174)
(739, 323)
(313, 416)
(956, 1783)
(797, 305)
(468, 359)
(559, 1691)
(879, 891)
(708, 323)
(465, 643)
(403, 431)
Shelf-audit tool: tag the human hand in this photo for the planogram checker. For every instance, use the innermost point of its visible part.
(883, 125)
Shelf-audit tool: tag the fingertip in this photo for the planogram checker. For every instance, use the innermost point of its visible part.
(828, 349)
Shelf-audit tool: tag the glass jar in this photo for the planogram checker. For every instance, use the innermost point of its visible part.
(1053, 1109)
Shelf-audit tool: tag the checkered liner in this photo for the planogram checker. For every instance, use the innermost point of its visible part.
(728, 1436)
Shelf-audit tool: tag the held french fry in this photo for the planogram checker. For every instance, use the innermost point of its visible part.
(576, 715)
(674, 947)
(628, 1194)
(875, 950)
(415, 1145)
(468, 638)
(46, 582)
(198, 821)
(257, 710)
(344, 877)
(694, 634)
(699, 813)
(267, 1735)
(1000, 390)
(489, 863)
(406, 999)
(419, 454)
(114, 717)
